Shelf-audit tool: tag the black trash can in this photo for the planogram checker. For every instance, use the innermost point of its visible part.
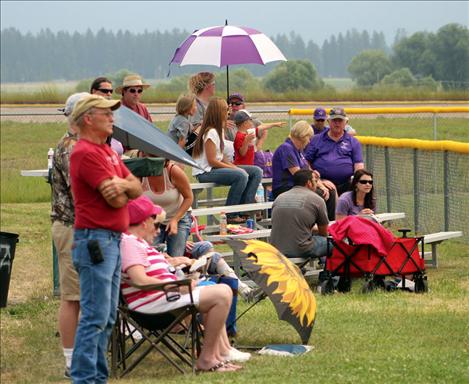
(7, 253)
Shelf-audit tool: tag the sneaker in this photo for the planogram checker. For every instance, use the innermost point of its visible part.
(252, 294)
(238, 356)
(67, 373)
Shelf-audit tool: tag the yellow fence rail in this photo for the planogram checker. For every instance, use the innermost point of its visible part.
(383, 111)
(425, 145)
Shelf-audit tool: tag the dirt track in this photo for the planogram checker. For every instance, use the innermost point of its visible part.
(165, 112)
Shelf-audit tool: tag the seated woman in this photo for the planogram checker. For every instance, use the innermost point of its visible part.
(360, 200)
(289, 158)
(172, 191)
(215, 167)
(142, 265)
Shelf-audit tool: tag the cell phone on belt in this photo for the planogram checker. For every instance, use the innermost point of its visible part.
(96, 255)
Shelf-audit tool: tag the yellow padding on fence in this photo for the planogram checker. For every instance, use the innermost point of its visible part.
(390, 110)
(427, 145)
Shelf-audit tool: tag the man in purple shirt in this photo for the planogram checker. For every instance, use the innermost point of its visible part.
(320, 117)
(334, 153)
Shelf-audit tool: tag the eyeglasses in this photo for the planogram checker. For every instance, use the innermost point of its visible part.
(366, 182)
(104, 90)
(237, 103)
(135, 90)
(107, 114)
(321, 120)
(157, 225)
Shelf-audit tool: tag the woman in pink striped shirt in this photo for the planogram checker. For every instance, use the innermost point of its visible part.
(142, 264)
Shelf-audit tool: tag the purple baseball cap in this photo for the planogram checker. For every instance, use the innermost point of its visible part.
(320, 114)
(235, 96)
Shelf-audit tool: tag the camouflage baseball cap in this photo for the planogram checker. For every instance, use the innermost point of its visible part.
(337, 113)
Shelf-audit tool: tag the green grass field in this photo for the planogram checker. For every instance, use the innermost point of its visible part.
(357, 338)
(25, 146)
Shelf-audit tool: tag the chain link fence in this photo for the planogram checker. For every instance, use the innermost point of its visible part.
(431, 187)
(430, 123)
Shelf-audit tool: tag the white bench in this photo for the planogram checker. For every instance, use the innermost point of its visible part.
(265, 233)
(199, 187)
(437, 238)
(231, 208)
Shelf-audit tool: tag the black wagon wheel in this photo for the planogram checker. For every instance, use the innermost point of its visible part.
(369, 286)
(327, 287)
(344, 284)
(421, 284)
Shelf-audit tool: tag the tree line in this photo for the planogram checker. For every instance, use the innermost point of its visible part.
(427, 59)
(48, 55)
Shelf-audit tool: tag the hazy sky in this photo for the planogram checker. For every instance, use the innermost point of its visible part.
(315, 20)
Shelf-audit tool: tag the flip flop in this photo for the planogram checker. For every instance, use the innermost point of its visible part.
(220, 367)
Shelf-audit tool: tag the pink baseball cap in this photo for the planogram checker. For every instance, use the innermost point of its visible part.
(141, 209)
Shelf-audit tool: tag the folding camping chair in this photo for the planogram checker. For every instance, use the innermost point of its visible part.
(362, 260)
(128, 350)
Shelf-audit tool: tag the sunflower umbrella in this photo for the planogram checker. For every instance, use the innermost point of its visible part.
(281, 280)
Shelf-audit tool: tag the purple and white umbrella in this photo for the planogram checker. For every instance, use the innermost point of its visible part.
(227, 45)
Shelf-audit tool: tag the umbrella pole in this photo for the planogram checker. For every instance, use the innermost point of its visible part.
(227, 83)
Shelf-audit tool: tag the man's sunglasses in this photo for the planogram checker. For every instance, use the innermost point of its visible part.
(134, 90)
(104, 90)
(237, 103)
(321, 120)
(366, 182)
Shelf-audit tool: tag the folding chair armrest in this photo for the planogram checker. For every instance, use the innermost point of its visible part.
(162, 286)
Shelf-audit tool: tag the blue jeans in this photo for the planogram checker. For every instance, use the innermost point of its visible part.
(176, 244)
(243, 182)
(99, 295)
(318, 249)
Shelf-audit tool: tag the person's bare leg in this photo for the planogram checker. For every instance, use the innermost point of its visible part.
(68, 321)
(214, 304)
(69, 312)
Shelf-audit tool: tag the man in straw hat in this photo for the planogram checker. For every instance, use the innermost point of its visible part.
(101, 187)
(131, 90)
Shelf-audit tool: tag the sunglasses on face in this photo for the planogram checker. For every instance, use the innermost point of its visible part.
(157, 225)
(135, 90)
(321, 120)
(366, 182)
(104, 90)
(237, 103)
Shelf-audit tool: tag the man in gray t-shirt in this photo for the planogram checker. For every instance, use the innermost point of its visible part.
(294, 214)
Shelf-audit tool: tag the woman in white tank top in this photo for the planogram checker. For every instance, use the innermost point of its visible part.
(172, 191)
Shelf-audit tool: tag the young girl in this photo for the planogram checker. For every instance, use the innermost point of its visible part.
(180, 127)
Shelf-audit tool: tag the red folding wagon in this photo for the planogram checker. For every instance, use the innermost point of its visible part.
(348, 260)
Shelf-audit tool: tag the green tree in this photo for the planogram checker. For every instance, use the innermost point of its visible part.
(293, 75)
(369, 67)
(451, 52)
(401, 77)
(415, 53)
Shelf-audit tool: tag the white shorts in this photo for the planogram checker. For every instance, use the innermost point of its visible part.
(162, 305)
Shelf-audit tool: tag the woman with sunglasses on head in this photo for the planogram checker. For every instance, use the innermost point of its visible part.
(172, 191)
(202, 85)
(214, 165)
(360, 200)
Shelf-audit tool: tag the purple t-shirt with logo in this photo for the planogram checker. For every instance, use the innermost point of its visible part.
(334, 159)
(286, 156)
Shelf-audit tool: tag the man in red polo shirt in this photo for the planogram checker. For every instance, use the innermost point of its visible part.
(131, 90)
(101, 186)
